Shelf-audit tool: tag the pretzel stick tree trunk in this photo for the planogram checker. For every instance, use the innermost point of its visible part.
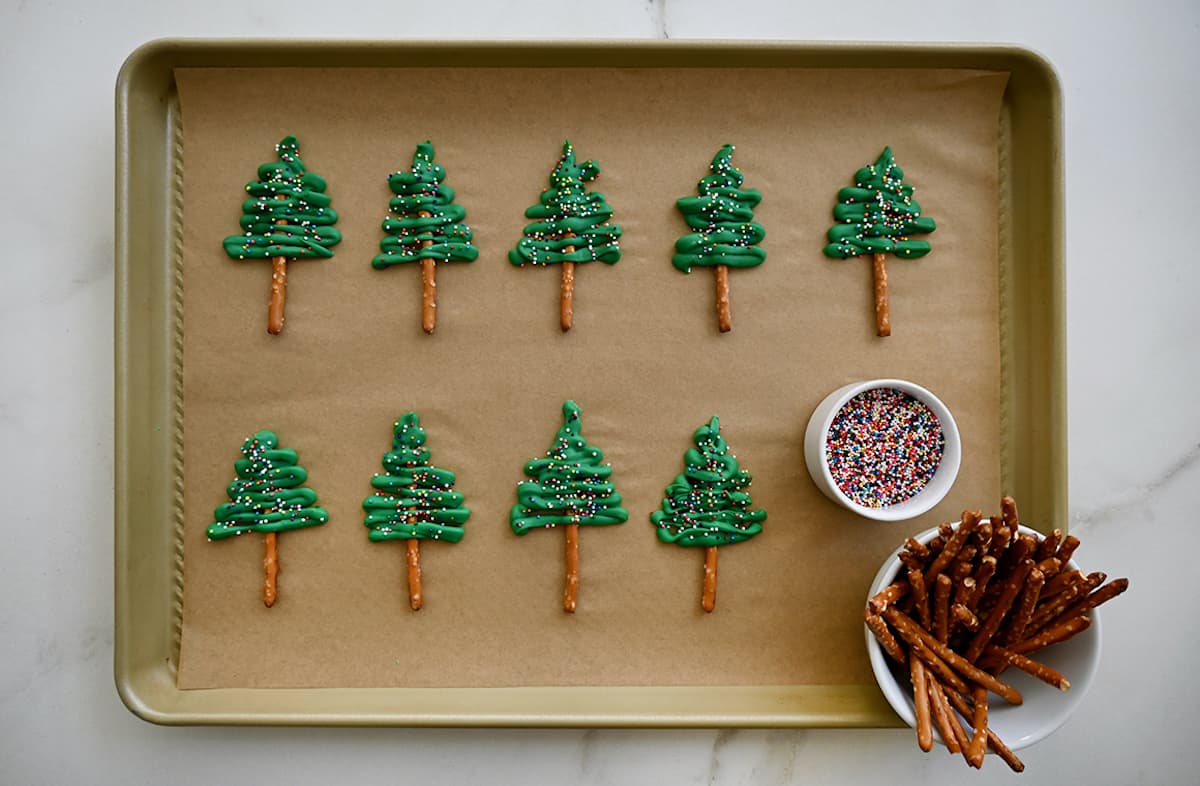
(883, 314)
(566, 299)
(724, 318)
(428, 285)
(270, 570)
(708, 597)
(571, 585)
(415, 596)
(278, 291)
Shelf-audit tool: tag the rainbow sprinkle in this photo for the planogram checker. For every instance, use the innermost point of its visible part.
(883, 447)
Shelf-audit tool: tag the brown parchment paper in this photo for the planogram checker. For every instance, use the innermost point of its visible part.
(645, 361)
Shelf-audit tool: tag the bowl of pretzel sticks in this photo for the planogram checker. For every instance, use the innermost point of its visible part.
(984, 635)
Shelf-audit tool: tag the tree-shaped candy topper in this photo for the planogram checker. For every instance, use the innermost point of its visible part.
(268, 496)
(877, 216)
(707, 505)
(286, 217)
(725, 233)
(570, 487)
(415, 501)
(425, 227)
(571, 227)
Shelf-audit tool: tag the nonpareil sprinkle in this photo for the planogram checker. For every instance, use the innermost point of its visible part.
(883, 447)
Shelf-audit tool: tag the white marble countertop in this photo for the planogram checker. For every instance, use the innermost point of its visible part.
(1132, 109)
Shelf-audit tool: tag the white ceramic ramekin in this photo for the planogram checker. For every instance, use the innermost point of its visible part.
(932, 493)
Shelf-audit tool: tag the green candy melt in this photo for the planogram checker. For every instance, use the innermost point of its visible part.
(569, 486)
(288, 213)
(707, 504)
(268, 493)
(414, 499)
(722, 216)
(569, 215)
(878, 215)
(441, 235)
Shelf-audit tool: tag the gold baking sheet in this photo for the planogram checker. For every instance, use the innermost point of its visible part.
(644, 361)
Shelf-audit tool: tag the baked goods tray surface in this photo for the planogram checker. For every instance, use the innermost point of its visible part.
(1028, 410)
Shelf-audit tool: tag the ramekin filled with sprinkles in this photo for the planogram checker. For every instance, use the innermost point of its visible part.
(886, 449)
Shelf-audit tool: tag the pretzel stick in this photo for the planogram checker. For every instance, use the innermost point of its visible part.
(920, 595)
(1067, 549)
(964, 591)
(916, 548)
(1049, 567)
(910, 632)
(413, 552)
(970, 520)
(1004, 656)
(428, 285)
(921, 705)
(883, 314)
(887, 596)
(941, 716)
(1061, 582)
(1008, 512)
(571, 585)
(963, 616)
(566, 298)
(984, 574)
(935, 666)
(941, 608)
(1008, 593)
(724, 319)
(1001, 536)
(1025, 606)
(885, 637)
(270, 570)
(1053, 634)
(1054, 609)
(983, 536)
(708, 596)
(993, 739)
(1049, 545)
(1106, 593)
(278, 290)
(978, 744)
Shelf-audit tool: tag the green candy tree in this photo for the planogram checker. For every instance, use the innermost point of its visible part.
(571, 227)
(878, 216)
(570, 487)
(268, 496)
(414, 500)
(424, 226)
(707, 506)
(726, 234)
(286, 217)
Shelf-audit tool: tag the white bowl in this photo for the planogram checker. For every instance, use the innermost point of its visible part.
(1044, 709)
(931, 494)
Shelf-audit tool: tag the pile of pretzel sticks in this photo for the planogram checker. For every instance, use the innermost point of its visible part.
(977, 599)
